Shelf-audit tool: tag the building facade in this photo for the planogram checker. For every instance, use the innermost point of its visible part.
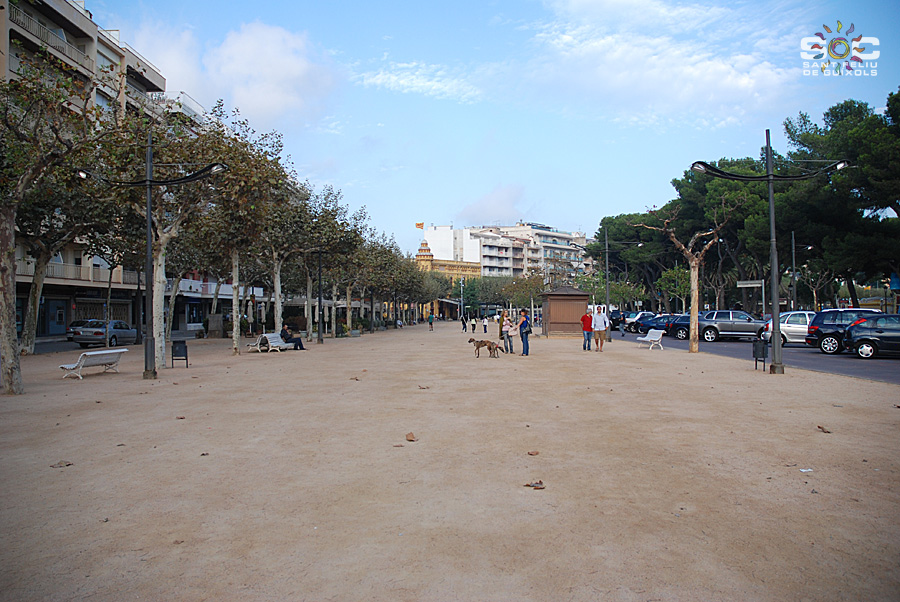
(76, 283)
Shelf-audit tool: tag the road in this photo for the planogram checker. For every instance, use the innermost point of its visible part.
(800, 356)
(795, 356)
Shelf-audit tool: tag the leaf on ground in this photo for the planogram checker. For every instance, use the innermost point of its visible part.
(179, 418)
(421, 387)
(61, 464)
(205, 454)
(823, 429)
(533, 453)
(398, 445)
(411, 437)
(536, 485)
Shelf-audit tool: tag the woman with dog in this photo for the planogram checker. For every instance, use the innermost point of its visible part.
(505, 328)
(524, 326)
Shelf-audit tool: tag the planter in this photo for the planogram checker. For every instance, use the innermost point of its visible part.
(355, 333)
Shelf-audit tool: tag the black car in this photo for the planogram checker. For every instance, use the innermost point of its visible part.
(826, 331)
(645, 325)
(874, 335)
(615, 316)
(679, 327)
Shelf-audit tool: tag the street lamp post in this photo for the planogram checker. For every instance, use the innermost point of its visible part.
(794, 270)
(777, 366)
(148, 182)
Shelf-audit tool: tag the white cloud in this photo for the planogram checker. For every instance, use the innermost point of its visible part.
(264, 70)
(429, 80)
(269, 71)
(500, 205)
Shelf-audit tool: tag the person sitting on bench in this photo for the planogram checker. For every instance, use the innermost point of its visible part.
(286, 337)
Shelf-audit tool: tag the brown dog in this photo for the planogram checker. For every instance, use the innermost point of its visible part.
(492, 348)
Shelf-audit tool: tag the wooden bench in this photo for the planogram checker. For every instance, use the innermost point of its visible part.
(270, 341)
(653, 337)
(108, 358)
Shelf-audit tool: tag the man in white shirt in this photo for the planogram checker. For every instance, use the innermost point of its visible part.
(600, 324)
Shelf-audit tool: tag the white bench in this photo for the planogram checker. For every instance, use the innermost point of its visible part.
(108, 358)
(653, 337)
(270, 341)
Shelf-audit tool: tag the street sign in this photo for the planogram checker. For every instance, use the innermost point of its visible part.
(749, 283)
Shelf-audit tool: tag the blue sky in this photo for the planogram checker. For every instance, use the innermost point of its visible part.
(486, 112)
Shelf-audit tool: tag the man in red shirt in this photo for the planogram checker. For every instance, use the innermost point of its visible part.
(587, 328)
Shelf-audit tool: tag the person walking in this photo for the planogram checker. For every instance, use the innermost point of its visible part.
(600, 324)
(506, 326)
(587, 322)
(484, 321)
(474, 324)
(524, 326)
(464, 322)
(430, 321)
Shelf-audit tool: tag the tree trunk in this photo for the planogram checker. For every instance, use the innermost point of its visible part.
(349, 308)
(159, 301)
(29, 325)
(694, 346)
(309, 292)
(10, 370)
(276, 278)
(108, 304)
(173, 298)
(235, 304)
(334, 291)
(215, 300)
(854, 297)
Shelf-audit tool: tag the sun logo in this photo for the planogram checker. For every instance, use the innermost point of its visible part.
(839, 48)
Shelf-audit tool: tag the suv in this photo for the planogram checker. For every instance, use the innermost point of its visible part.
(680, 326)
(874, 335)
(826, 330)
(633, 316)
(716, 324)
(793, 325)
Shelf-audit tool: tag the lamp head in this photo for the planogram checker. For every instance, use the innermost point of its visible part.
(218, 168)
(841, 165)
(84, 175)
(698, 166)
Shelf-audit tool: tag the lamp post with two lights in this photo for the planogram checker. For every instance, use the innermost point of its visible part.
(777, 365)
(148, 182)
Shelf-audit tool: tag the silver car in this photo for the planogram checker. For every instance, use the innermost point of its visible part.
(93, 332)
(716, 324)
(794, 325)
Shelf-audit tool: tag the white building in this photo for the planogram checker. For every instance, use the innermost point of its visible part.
(517, 250)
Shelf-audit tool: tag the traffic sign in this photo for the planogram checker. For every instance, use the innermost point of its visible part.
(749, 283)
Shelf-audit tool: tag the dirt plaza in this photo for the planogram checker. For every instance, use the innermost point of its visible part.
(291, 476)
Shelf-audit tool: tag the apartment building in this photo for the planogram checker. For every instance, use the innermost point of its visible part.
(76, 283)
(518, 250)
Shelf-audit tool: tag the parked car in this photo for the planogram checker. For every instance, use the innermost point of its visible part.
(679, 327)
(633, 316)
(717, 324)
(70, 329)
(645, 325)
(827, 328)
(874, 335)
(615, 316)
(94, 333)
(793, 324)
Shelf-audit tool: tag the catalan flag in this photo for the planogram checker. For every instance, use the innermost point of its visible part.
(420, 225)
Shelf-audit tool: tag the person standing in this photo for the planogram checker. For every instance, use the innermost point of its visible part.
(474, 324)
(505, 328)
(586, 327)
(600, 324)
(484, 322)
(524, 326)
(430, 321)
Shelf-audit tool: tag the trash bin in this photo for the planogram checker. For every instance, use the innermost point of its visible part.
(760, 353)
(179, 352)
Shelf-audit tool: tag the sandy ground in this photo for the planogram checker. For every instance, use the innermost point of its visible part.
(668, 476)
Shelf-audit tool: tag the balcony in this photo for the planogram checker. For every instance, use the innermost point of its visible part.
(48, 38)
(79, 273)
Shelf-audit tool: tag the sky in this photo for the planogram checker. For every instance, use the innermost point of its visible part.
(487, 112)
